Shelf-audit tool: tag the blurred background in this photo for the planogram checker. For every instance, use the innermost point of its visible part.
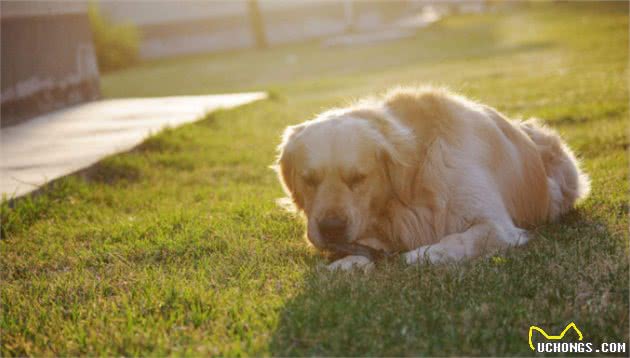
(53, 52)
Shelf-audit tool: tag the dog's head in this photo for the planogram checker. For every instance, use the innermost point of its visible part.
(342, 168)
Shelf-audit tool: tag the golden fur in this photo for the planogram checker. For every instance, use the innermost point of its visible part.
(428, 172)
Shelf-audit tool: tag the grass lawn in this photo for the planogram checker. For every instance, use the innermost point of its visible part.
(177, 247)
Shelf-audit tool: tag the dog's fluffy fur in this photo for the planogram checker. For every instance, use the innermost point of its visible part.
(427, 172)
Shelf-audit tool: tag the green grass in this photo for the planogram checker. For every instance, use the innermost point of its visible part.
(177, 247)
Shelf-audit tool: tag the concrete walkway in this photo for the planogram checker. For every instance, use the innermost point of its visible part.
(50, 146)
(404, 27)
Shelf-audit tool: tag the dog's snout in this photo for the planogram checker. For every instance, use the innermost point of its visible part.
(333, 228)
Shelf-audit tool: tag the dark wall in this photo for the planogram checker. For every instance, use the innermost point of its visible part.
(48, 63)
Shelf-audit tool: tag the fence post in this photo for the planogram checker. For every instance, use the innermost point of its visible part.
(257, 25)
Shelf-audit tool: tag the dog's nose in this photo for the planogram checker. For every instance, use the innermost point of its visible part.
(333, 228)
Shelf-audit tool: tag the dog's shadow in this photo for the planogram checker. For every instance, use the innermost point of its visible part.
(480, 307)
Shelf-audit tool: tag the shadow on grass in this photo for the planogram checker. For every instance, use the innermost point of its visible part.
(481, 307)
(21, 212)
(111, 171)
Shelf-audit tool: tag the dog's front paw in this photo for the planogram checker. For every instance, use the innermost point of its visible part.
(429, 254)
(418, 256)
(351, 262)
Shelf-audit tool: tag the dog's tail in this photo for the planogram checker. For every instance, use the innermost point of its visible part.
(567, 182)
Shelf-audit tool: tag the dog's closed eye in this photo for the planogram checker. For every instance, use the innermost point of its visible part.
(311, 180)
(355, 180)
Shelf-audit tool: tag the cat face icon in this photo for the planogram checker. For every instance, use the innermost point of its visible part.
(552, 337)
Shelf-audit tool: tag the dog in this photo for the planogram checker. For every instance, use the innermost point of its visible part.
(425, 172)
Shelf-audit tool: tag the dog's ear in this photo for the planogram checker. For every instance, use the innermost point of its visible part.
(400, 158)
(285, 168)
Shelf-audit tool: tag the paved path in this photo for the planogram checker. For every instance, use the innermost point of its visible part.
(50, 146)
(404, 27)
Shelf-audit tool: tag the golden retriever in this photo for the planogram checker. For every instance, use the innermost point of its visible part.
(425, 172)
